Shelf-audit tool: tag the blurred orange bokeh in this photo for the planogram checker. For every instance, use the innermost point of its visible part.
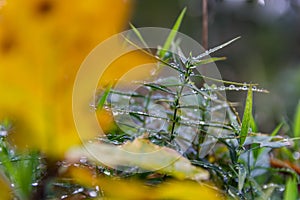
(42, 44)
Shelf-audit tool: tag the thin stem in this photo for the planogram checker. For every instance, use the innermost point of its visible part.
(147, 103)
(204, 24)
(187, 74)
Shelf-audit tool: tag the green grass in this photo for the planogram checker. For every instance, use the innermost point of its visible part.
(238, 163)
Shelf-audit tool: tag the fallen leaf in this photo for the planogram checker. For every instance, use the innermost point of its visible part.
(140, 153)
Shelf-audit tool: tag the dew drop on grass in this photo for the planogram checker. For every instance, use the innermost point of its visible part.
(93, 194)
(115, 112)
(83, 160)
(222, 88)
(245, 87)
(78, 190)
(34, 184)
(106, 172)
(3, 133)
(281, 189)
(231, 87)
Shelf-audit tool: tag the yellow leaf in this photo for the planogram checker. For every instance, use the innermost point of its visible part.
(42, 44)
(141, 153)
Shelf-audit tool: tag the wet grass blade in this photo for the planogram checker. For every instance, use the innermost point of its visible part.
(246, 117)
(155, 57)
(207, 61)
(138, 34)
(206, 53)
(224, 81)
(297, 122)
(103, 98)
(162, 88)
(172, 35)
(241, 177)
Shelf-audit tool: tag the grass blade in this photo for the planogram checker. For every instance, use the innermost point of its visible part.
(103, 98)
(291, 190)
(297, 122)
(160, 87)
(246, 117)
(277, 129)
(207, 61)
(172, 35)
(241, 177)
(138, 34)
(206, 53)
(253, 124)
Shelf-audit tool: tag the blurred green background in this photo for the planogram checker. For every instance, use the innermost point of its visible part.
(268, 52)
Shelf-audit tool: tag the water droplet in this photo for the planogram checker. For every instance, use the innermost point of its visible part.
(254, 88)
(34, 184)
(12, 185)
(3, 133)
(265, 187)
(115, 112)
(222, 88)
(63, 196)
(231, 87)
(93, 194)
(83, 160)
(78, 190)
(281, 189)
(107, 173)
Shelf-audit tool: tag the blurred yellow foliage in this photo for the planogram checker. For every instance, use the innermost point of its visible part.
(134, 189)
(5, 192)
(42, 44)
